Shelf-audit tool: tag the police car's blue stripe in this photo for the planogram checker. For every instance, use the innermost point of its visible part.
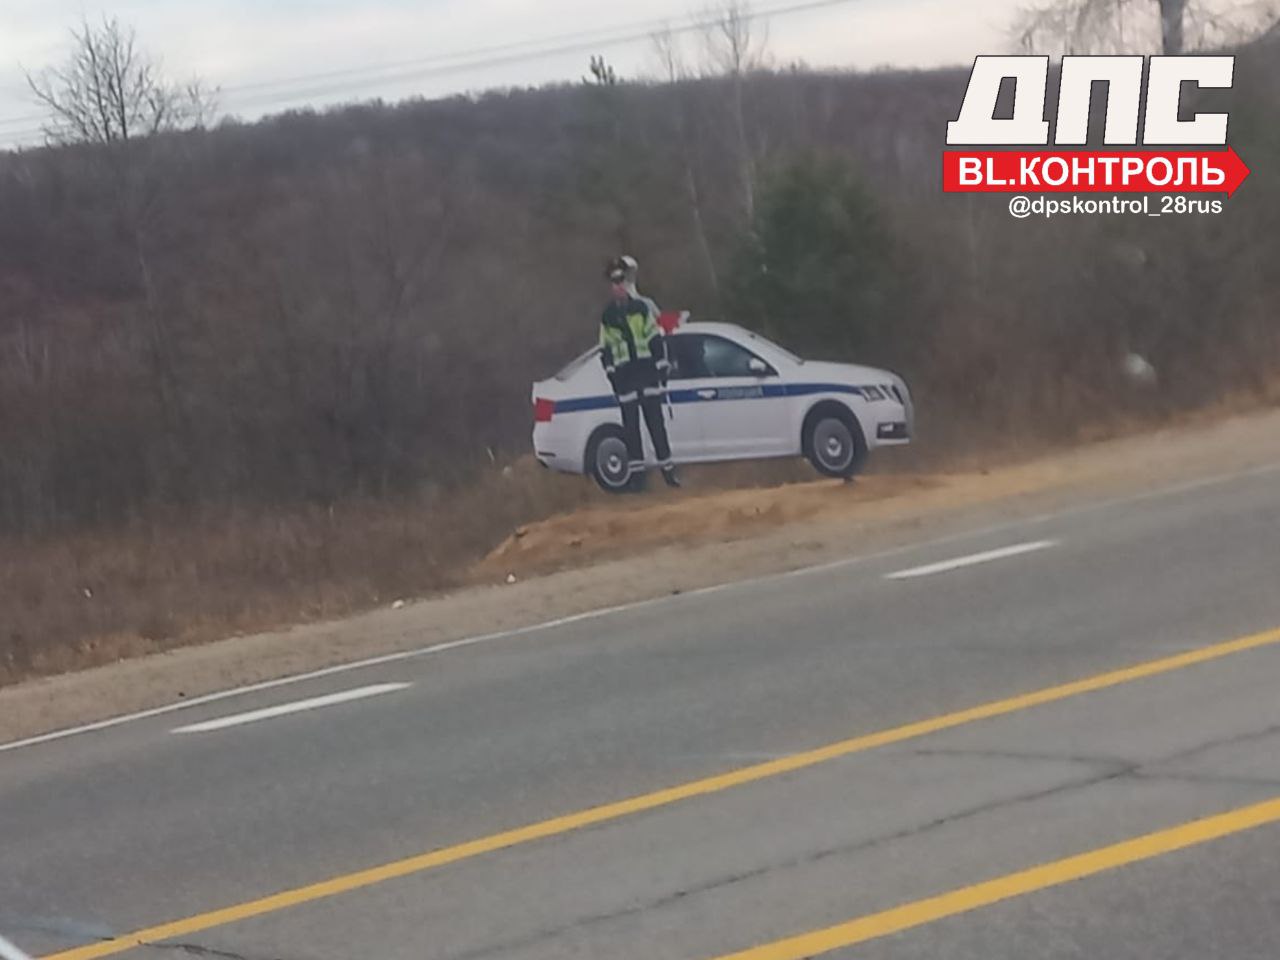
(604, 402)
(808, 389)
(684, 396)
(579, 404)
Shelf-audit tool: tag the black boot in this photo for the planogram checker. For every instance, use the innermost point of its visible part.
(670, 477)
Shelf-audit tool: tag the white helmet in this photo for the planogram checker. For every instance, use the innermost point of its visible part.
(631, 265)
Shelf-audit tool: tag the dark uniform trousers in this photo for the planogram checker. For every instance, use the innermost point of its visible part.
(639, 390)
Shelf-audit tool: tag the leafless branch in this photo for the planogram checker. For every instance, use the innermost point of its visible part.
(1063, 27)
(666, 49)
(736, 39)
(108, 91)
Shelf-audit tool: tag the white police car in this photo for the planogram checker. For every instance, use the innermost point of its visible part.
(733, 395)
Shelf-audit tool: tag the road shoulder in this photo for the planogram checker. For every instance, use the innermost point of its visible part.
(751, 533)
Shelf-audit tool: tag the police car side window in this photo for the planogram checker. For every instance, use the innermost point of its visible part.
(685, 350)
(724, 358)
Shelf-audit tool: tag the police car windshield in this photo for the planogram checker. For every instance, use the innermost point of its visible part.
(782, 350)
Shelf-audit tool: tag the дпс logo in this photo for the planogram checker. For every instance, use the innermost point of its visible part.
(1083, 171)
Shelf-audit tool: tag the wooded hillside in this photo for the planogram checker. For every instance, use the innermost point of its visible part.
(321, 309)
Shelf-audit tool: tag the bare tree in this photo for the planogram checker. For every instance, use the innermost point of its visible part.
(1140, 26)
(602, 73)
(112, 97)
(109, 91)
(1172, 14)
(604, 157)
(672, 67)
(736, 37)
(736, 42)
(675, 73)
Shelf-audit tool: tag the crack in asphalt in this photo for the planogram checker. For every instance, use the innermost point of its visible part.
(1145, 770)
(1223, 742)
(1117, 763)
(1156, 776)
(195, 949)
(1112, 768)
(80, 932)
(199, 950)
(798, 862)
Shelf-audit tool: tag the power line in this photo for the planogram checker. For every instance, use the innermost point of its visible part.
(17, 121)
(452, 55)
(596, 35)
(274, 93)
(505, 53)
(635, 30)
(617, 36)
(22, 137)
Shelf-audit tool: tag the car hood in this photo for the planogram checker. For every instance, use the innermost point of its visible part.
(851, 373)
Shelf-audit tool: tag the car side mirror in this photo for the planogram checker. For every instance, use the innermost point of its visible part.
(758, 366)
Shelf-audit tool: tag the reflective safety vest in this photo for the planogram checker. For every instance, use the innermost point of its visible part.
(629, 331)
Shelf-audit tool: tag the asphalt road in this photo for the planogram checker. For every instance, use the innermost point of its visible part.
(959, 837)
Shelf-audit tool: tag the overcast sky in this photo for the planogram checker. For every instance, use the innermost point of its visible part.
(259, 44)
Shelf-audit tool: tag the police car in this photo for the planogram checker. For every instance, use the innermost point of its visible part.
(733, 395)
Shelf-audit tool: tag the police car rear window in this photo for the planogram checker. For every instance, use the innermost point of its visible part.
(573, 366)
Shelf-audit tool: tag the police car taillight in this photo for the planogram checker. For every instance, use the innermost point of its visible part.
(543, 410)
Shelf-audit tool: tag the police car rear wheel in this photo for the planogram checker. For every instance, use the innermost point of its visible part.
(833, 444)
(607, 462)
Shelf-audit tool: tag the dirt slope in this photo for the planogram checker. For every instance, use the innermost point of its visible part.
(616, 530)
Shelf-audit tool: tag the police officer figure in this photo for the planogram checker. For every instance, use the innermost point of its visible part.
(634, 355)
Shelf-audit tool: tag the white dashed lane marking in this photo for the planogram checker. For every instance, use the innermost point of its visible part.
(972, 559)
(298, 706)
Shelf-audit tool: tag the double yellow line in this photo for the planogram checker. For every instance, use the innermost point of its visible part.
(911, 915)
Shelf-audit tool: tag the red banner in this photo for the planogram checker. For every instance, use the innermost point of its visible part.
(1091, 171)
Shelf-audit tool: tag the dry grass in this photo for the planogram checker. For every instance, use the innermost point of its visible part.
(153, 584)
(159, 583)
(150, 585)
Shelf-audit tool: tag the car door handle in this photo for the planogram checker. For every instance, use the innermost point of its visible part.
(707, 394)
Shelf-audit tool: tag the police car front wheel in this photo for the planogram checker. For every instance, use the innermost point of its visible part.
(833, 443)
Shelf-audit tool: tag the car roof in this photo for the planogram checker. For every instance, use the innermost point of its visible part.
(743, 336)
(713, 326)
